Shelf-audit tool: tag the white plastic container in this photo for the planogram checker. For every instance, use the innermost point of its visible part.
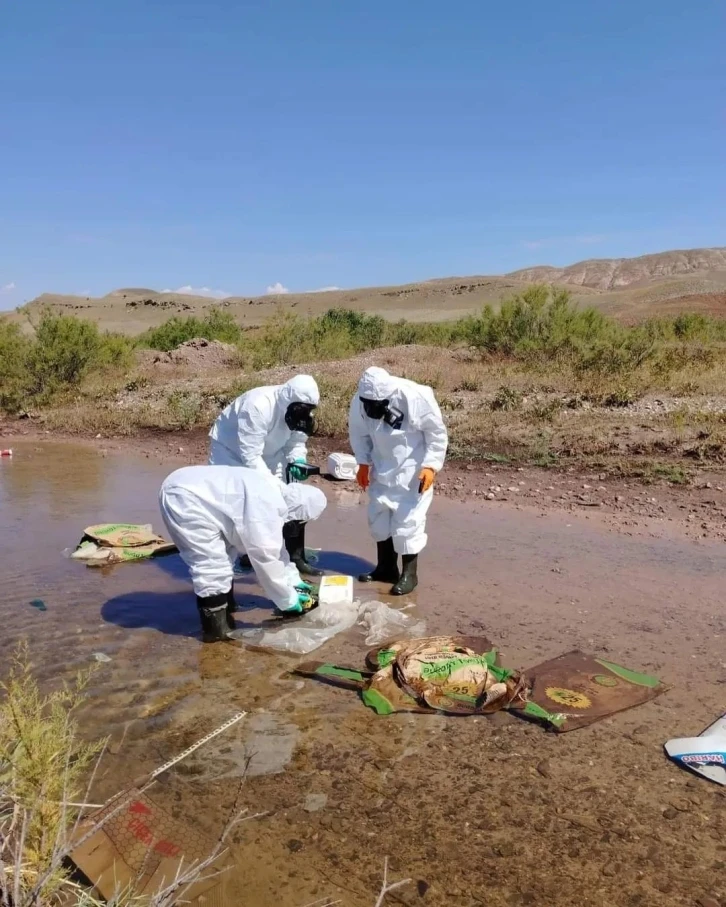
(336, 590)
(342, 466)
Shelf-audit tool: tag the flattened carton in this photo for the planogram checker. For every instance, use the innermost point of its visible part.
(577, 689)
(142, 847)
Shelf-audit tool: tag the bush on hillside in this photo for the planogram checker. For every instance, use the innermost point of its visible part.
(215, 325)
(62, 353)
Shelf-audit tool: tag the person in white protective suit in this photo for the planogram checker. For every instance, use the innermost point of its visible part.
(266, 429)
(399, 440)
(211, 512)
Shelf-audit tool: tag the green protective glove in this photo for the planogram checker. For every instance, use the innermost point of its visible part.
(304, 603)
(299, 475)
(303, 587)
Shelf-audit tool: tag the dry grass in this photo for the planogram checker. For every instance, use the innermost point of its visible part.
(536, 382)
(46, 774)
(495, 409)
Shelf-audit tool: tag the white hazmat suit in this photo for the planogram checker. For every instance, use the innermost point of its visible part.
(252, 430)
(396, 456)
(211, 512)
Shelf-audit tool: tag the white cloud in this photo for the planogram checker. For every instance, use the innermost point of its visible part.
(324, 290)
(276, 289)
(8, 288)
(189, 290)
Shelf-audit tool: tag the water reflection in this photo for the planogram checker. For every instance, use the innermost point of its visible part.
(59, 478)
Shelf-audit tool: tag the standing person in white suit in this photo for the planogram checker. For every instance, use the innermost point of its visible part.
(266, 429)
(211, 512)
(399, 440)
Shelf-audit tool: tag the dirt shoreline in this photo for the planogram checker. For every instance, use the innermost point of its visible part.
(479, 811)
(631, 506)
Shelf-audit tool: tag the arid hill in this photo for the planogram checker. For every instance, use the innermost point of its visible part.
(631, 289)
(615, 273)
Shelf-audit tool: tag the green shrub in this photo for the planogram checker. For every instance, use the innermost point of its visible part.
(507, 399)
(215, 325)
(14, 350)
(184, 408)
(63, 351)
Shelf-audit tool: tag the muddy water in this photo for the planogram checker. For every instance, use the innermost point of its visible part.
(476, 811)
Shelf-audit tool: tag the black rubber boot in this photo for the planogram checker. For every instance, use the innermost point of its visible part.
(294, 535)
(386, 570)
(231, 609)
(213, 615)
(409, 575)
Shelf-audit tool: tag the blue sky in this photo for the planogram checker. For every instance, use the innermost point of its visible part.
(236, 145)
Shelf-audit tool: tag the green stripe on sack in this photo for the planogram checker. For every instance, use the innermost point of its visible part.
(385, 657)
(533, 710)
(110, 528)
(641, 680)
(379, 703)
(343, 673)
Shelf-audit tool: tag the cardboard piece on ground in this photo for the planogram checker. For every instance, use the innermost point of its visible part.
(142, 847)
(577, 689)
(705, 754)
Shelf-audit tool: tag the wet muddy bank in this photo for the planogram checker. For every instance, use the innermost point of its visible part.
(477, 811)
(650, 505)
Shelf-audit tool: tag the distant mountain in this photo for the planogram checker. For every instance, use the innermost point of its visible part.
(627, 288)
(614, 273)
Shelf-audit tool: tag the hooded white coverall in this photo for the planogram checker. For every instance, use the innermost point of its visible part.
(212, 512)
(396, 456)
(252, 430)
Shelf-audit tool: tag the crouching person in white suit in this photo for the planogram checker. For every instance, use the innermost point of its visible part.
(212, 512)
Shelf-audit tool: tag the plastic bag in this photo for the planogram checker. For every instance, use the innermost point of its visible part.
(308, 633)
(379, 621)
(382, 623)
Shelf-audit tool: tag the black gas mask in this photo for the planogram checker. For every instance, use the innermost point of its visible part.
(299, 417)
(381, 409)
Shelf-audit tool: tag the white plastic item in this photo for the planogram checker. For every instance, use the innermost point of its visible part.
(335, 590)
(342, 466)
(308, 633)
(705, 755)
(382, 623)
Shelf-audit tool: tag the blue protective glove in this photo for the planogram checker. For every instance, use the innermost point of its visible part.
(296, 474)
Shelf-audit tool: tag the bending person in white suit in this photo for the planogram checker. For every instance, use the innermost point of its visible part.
(266, 429)
(211, 512)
